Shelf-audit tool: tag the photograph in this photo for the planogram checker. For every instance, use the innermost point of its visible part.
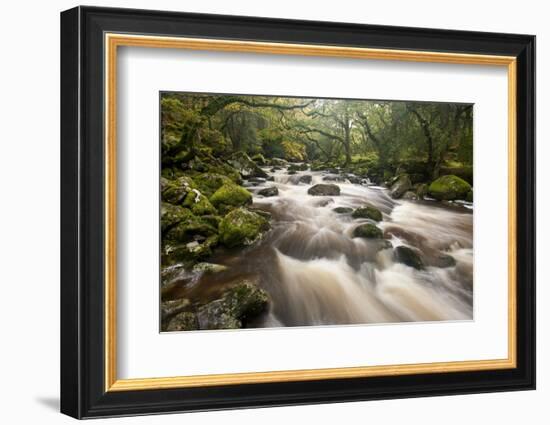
(284, 211)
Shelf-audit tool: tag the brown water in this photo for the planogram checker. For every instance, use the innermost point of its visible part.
(317, 274)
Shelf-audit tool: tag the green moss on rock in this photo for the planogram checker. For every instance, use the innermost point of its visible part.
(175, 191)
(235, 308)
(449, 188)
(198, 203)
(230, 196)
(367, 212)
(368, 231)
(208, 183)
(408, 256)
(241, 227)
(171, 215)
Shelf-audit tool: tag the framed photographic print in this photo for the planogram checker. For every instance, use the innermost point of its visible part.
(261, 212)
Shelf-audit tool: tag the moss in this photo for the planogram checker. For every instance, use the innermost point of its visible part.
(241, 227)
(259, 159)
(171, 215)
(448, 188)
(184, 321)
(470, 196)
(188, 253)
(368, 231)
(367, 212)
(175, 191)
(187, 229)
(230, 196)
(208, 183)
(198, 203)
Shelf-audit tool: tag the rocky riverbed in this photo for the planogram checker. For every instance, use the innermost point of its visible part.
(267, 243)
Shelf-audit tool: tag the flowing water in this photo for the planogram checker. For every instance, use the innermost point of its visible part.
(316, 273)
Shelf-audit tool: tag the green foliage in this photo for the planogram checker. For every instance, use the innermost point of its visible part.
(293, 151)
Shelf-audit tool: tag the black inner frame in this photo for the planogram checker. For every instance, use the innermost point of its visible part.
(82, 212)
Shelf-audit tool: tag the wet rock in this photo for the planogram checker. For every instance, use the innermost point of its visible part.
(399, 186)
(245, 166)
(384, 244)
(269, 191)
(184, 321)
(305, 179)
(324, 202)
(271, 179)
(368, 231)
(354, 179)
(230, 196)
(367, 212)
(235, 308)
(410, 196)
(324, 190)
(408, 256)
(292, 172)
(449, 188)
(275, 169)
(188, 253)
(256, 180)
(343, 210)
(242, 227)
(208, 268)
(444, 261)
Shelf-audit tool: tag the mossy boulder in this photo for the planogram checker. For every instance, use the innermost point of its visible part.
(241, 227)
(449, 188)
(209, 268)
(400, 185)
(175, 191)
(367, 231)
(230, 196)
(323, 189)
(198, 203)
(237, 306)
(245, 166)
(343, 210)
(306, 179)
(170, 215)
(279, 162)
(367, 212)
(208, 183)
(298, 167)
(408, 256)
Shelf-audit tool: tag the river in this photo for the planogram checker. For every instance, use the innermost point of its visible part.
(316, 273)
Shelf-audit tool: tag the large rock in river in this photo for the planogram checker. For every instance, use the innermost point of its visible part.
(238, 305)
(230, 196)
(449, 188)
(241, 227)
(399, 186)
(367, 231)
(324, 190)
(367, 212)
(269, 191)
(408, 256)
